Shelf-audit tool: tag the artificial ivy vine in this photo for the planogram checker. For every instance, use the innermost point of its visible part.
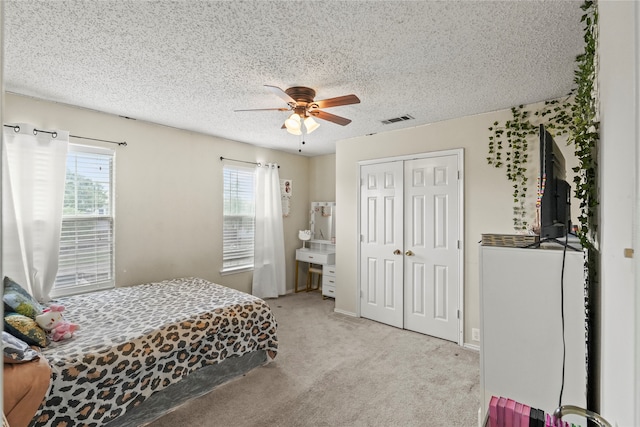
(584, 132)
(575, 115)
(509, 145)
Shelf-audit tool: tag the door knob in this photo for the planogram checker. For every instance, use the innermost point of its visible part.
(397, 252)
(409, 253)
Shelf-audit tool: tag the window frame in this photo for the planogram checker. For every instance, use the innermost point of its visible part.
(232, 269)
(76, 288)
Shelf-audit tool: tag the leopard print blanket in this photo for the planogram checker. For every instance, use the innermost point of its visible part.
(137, 340)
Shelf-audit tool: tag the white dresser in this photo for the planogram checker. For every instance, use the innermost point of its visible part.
(521, 347)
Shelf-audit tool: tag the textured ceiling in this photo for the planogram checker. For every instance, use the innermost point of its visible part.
(190, 64)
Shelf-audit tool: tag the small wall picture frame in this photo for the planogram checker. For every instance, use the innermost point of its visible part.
(286, 191)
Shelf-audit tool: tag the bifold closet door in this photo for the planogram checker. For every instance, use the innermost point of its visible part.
(381, 246)
(431, 273)
(409, 254)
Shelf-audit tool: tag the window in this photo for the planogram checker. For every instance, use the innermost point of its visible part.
(239, 219)
(86, 240)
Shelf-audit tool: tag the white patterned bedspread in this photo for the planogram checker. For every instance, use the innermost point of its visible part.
(137, 340)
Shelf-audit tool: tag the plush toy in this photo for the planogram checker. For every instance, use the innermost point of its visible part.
(52, 321)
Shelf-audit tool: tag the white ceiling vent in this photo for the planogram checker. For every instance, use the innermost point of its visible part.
(397, 119)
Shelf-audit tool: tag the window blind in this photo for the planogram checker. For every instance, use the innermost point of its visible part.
(238, 218)
(86, 241)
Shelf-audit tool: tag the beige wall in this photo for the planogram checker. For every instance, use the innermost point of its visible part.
(168, 182)
(168, 192)
(487, 196)
(322, 178)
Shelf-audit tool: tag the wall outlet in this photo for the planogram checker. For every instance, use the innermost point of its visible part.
(475, 334)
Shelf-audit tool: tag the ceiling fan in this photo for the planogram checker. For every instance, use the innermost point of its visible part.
(300, 101)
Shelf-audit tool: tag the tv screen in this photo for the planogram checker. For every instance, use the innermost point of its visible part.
(555, 198)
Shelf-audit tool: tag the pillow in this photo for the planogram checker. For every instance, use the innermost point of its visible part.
(15, 350)
(26, 329)
(17, 299)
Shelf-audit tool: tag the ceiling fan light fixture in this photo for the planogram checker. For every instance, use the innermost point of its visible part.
(310, 124)
(293, 124)
(300, 101)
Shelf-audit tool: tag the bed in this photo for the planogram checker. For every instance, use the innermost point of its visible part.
(136, 341)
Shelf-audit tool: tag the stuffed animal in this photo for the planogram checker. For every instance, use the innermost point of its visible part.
(52, 321)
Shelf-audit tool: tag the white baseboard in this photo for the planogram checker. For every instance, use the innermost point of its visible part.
(472, 346)
(482, 422)
(346, 313)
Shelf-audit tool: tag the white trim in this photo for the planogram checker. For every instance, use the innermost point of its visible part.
(82, 148)
(247, 174)
(243, 269)
(68, 290)
(472, 347)
(345, 312)
(359, 236)
(636, 390)
(75, 289)
(459, 153)
(430, 154)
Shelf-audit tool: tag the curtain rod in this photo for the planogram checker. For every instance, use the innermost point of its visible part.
(55, 134)
(243, 161)
(123, 143)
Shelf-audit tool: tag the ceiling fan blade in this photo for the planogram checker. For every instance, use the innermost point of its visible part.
(330, 117)
(337, 101)
(281, 94)
(265, 109)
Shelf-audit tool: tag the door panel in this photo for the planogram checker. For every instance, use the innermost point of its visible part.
(431, 227)
(419, 207)
(381, 228)
(418, 289)
(441, 289)
(440, 209)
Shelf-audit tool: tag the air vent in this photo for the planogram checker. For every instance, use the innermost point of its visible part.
(397, 119)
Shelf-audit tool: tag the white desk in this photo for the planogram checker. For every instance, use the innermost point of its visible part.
(323, 256)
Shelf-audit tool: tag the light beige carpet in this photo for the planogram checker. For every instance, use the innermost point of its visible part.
(336, 370)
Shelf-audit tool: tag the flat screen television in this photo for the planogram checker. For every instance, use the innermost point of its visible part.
(555, 191)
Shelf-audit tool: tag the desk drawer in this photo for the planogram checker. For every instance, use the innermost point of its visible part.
(328, 290)
(329, 270)
(328, 281)
(315, 257)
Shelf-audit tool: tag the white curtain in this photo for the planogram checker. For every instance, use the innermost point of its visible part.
(269, 280)
(33, 178)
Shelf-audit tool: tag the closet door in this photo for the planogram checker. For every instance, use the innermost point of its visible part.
(431, 224)
(381, 246)
(409, 244)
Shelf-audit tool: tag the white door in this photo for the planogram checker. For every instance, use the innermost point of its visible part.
(431, 270)
(381, 259)
(409, 256)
